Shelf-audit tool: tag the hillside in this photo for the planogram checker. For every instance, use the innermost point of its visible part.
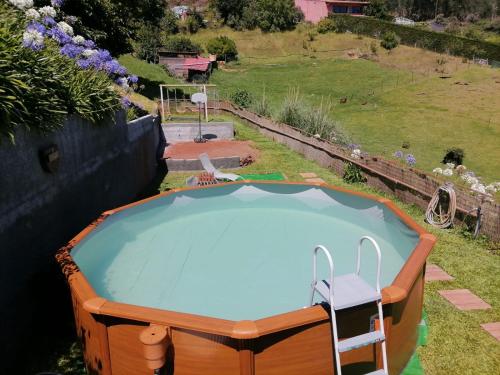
(432, 101)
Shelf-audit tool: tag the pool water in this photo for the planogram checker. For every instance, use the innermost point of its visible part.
(237, 252)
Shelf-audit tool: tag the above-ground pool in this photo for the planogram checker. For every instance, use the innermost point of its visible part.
(226, 272)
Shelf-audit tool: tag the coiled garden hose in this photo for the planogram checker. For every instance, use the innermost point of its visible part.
(435, 215)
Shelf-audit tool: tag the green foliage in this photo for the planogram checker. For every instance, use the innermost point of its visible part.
(377, 9)
(389, 40)
(223, 47)
(193, 22)
(180, 43)
(373, 47)
(353, 174)
(326, 25)
(114, 24)
(277, 15)
(434, 41)
(39, 89)
(147, 44)
(313, 121)
(242, 98)
(454, 155)
(168, 23)
(262, 106)
(268, 15)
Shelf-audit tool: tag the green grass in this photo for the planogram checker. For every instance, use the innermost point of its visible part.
(456, 342)
(400, 97)
(150, 75)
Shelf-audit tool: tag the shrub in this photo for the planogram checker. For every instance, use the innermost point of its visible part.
(454, 155)
(311, 120)
(353, 174)
(180, 43)
(262, 106)
(223, 47)
(147, 44)
(389, 40)
(242, 98)
(326, 25)
(40, 88)
(373, 47)
(277, 15)
(377, 9)
(435, 41)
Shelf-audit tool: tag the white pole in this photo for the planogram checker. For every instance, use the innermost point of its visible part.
(206, 103)
(162, 106)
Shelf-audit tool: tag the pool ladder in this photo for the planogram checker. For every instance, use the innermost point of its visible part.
(347, 291)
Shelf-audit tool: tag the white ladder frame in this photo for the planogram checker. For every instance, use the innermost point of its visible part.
(332, 309)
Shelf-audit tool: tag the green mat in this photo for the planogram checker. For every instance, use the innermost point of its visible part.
(414, 366)
(277, 176)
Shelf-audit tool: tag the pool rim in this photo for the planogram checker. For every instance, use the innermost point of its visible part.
(243, 329)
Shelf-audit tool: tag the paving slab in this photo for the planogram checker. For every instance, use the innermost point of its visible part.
(436, 273)
(464, 299)
(315, 180)
(493, 329)
(308, 175)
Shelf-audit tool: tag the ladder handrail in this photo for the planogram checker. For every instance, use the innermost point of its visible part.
(315, 276)
(379, 258)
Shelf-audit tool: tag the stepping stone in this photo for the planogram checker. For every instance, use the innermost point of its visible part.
(308, 175)
(464, 299)
(435, 273)
(493, 329)
(315, 180)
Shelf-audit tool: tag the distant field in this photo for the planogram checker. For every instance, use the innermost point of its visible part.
(398, 98)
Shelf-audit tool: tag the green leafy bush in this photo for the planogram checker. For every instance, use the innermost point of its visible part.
(242, 98)
(454, 155)
(377, 9)
(313, 121)
(326, 25)
(180, 43)
(389, 40)
(38, 89)
(262, 106)
(353, 174)
(223, 47)
(434, 41)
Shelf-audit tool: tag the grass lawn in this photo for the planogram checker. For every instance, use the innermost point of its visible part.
(398, 98)
(456, 342)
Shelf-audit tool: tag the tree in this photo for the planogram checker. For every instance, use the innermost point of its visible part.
(113, 24)
(180, 43)
(229, 10)
(277, 15)
(377, 9)
(389, 40)
(223, 47)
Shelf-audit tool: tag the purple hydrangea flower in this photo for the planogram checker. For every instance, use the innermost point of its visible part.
(89, 44)
(410, 160)
(84, 63)
(133, 79)
(398, 154)
(60, 36)
(104, 55)
(126, 103)
(121, 70)
(49, 21)
(36, 26)
(71, 50)
(353, 146)
(112, 67)
(33, 39)
(57, 3)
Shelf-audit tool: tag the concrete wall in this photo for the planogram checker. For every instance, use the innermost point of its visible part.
(185, 132)
(408, 184)
(101, 167)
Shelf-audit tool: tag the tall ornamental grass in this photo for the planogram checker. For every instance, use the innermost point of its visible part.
(312, 120)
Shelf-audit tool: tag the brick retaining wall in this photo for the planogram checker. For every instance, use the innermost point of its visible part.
(408, 184)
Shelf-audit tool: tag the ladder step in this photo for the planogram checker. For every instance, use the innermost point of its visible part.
(378, 372)
(348, 291)
(360, 341)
